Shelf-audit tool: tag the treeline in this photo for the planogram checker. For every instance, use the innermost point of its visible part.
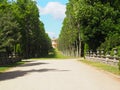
(21, 31)
(90, 25)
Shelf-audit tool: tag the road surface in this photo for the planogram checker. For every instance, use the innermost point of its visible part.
(57, 75)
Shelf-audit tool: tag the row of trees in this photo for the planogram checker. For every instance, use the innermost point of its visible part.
(90, 25)
(21, 31)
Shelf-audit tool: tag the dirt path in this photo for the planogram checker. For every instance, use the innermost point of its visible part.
(57, 75)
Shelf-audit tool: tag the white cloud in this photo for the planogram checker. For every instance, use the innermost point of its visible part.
(56, 9)
(51, 34)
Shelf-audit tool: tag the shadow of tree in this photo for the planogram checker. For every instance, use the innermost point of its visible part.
(16, 74)
(32, 64)
(27, 63)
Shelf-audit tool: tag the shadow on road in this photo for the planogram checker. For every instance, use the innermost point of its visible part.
(16, 74)
(32, 64)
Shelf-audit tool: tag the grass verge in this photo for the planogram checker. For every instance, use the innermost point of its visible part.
(54, 54)
(7, 67)
(57, 54)
(102, 66)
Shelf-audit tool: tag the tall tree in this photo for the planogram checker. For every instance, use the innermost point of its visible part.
(92, 21)
(9, 28)
(21, 31)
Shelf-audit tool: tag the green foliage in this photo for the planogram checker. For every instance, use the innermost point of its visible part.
(8, 26)
(119, 65)
(86, 49)
(118, 51)
(21, 31)
(18, 49)
(111, 42)
(94, 22)
(69, 37)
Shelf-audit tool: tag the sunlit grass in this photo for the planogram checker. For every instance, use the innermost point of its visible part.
(54, 54)
(7, 67)
(102, 66)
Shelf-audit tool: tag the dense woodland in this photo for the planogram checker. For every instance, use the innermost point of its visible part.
(21, 31)
(90, 25)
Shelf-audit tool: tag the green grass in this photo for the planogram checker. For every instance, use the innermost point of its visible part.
(102, 66)
(7, 67)
(58, 54)
(54, 54)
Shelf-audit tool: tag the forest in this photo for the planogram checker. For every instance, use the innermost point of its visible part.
(90, 25)
(21, 31)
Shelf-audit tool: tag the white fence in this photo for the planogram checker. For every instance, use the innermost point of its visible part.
(100, 57)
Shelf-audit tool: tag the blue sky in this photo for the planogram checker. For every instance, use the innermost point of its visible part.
(52, 13)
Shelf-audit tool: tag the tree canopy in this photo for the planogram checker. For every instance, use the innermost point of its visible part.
(92, 24)
(21, 30)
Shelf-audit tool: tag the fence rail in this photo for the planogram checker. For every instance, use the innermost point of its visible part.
(100, 57)
(6, 60)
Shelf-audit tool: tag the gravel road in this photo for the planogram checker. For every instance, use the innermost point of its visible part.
(57, 75)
